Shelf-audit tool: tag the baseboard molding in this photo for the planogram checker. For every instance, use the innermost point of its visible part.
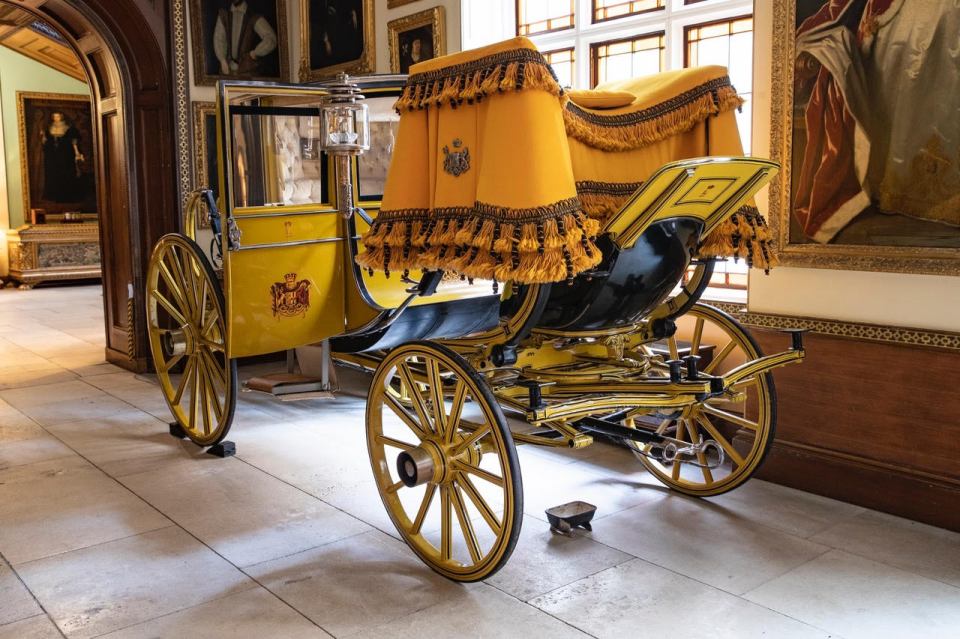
(914, 495)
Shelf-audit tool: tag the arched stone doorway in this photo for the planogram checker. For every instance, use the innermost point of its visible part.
(126, 47)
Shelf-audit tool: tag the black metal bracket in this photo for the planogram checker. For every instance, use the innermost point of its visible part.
(796, 337)
(177, 430)
(223, 449)
(534, 387)
(616, 430)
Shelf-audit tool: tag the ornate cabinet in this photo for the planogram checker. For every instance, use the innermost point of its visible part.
(49, 252)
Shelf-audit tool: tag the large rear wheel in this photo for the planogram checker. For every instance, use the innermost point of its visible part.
(188, 334)
(444, 461)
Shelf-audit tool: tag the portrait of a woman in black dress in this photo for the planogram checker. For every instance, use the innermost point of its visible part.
(62, 161)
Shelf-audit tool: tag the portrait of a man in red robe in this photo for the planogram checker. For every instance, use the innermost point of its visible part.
(877, 122)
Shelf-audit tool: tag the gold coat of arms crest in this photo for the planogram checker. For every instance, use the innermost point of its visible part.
(290, 297)
(456, 163)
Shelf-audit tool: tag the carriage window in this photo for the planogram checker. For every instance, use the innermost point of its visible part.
(612, 9)
(628, 58)
(562, 61)
(543, 16)
(730, 43)
(372, 166)
(276, 156)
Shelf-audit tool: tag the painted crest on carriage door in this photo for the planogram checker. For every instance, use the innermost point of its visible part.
(290, 297)
(455, 162)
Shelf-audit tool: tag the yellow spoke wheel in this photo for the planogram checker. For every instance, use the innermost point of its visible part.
(188, 335)
(742, 423)
(444, 461)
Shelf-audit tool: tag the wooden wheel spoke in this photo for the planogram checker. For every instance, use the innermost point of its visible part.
(480, 503)
(475, 436)
(393, 488)
(188, 371)
(215, 369)
(697, 336)
(415, 397)
(722, 355)
(168, 306)
(428, 496)
(466, 526)
(179, 276)
(210, 323)
(174, 286)
(204, 397)
(480, 472)
(383, 440)
(435, 389)
(172, 362)
(446, 524)
(404, 416)
(212, 397)
(194, 391)
(720, 439)
(730, 417)
(456, 409)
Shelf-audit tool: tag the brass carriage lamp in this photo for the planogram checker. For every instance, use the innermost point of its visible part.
(345, 132)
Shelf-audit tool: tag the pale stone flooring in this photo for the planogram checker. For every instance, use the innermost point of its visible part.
(110, 527)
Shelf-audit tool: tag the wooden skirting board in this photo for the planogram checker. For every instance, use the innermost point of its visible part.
(870, 421)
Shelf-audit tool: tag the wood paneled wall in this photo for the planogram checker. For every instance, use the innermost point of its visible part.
(871, 423)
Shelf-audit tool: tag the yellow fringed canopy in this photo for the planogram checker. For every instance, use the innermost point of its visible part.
(496, 174)
(480, 182)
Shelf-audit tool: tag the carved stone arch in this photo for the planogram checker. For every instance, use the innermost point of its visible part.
(125, 47)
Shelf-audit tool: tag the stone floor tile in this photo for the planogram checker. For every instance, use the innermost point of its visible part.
(543, 561)
(60, 505)
(39, 627)
(241, 512)
(28, 450)
(91, 407)
(16, 602)
(251, 614)
(23, 398)
(480, 612)
(356, 584)
(95, 590)
(639, 599)
(856, 597)
(708, 542)
(908, 545)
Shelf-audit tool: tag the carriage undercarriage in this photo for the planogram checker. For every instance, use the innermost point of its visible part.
(682, 384)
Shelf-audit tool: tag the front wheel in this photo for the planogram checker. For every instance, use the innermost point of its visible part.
(742, 422)
(444, 461)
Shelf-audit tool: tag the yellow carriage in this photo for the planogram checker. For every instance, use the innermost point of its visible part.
(620, 347)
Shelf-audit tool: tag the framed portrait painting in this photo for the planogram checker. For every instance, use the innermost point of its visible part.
(239, 40)
(336, 36)
(416, 38)
(868, 137)
(56, 153)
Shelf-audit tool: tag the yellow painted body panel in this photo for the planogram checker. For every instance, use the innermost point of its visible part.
(709, 189)
(310, 307)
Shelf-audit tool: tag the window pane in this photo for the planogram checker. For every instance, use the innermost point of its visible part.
(611, 9)
(562, 61)
(730, 43)
(624, 59)
(542, 16)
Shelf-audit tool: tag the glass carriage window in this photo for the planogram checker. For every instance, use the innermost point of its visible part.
(543, 16)
(562, 61)
(628, 58)
(372, 166)
(612, 9)
(727, 42)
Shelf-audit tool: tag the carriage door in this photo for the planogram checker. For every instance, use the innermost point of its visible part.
(283, 263)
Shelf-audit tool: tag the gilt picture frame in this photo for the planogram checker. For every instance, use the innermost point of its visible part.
(394, 4)
(415, 38)
(336, 36)
(205, 165)
(57, 165)
(861, 228)
(262, 49)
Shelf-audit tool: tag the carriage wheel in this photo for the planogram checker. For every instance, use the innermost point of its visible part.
(742, 425)
(185, 322)
(446, 465)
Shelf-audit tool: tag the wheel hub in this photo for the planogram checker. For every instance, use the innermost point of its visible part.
(180, 341)
(431, 461)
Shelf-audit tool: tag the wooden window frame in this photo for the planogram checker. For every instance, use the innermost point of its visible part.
(593, 11)
(518, 7)
(595, 46)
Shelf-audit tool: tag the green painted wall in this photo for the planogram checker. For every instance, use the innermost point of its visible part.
(20, 73)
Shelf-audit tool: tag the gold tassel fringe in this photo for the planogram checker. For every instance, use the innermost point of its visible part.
(512, 70)
(627, 131)
(545, 244)
(744, 234)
